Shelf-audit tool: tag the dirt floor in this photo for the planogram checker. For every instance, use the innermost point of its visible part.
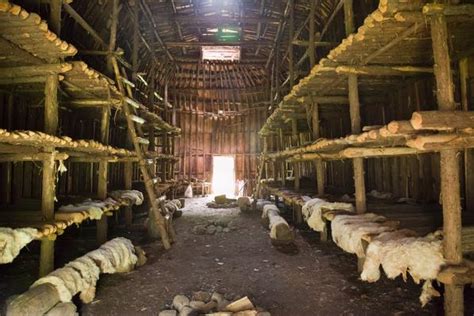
(308, 278)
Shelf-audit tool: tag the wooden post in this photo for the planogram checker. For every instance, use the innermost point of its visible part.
(296, 165)
(312, 24)
(113, 34)
(468, 153)
(47, 211)
(102, 225)
(283, 163)
(449, 163)
(318, 163)
(128, 175)
(358, 163)
(55, 16)
(291, 30)
(136, 41)
(49, 172)
(349, 17)
(51, 112)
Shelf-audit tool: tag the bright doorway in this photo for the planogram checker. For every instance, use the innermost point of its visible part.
(223, 175)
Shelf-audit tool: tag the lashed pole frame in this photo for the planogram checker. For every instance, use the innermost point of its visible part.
(449, 163)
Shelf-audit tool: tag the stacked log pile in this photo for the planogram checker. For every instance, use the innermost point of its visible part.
(41, 41)
(40, 139)
(427, 131)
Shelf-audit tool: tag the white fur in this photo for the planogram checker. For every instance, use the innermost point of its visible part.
(136, 197)
(348, 230)
(313, 212)
(13, 240)
(81, 275)
(399, 253)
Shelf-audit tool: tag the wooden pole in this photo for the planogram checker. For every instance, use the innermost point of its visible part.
(318, 163)
(102, 225)
(449, 163)
(358, 163)
(55, 16)
(349, 17)
(312, 23)
(113, 34)
(51, 109)
(136, 42)
(291, 30)
(51, 113)
(468, 153)
(283, 163)
(128, 175)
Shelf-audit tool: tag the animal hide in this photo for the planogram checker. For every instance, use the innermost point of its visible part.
(348, 230)
(13, 240)
(134, 196)
(313, 212)
(81, 275)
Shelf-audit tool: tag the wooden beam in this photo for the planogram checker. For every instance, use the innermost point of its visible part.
(55, 16)
(33, 71)
(315, 43)
(468, 153)
(311, 41)
(83, 23)
(349, 17)
(319, 165)
(449, 162)
(217, 19)
(358, 163)
(291, 30)
(383, 70)
(151, 19)
(448, 10)
(236, 43)
(51, 109)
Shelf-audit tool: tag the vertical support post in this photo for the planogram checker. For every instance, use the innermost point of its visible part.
(312, 30)
(113, 34)
(358, 163)
(6, 181)
(51, 109)
(449, 162)
(102, 224)
(128, 175)
(283, 162)
(468, 153)
(47, 209)
(51, 118)
(349, 17)
(164, 172)
(136, 41)
(55, 16)
(291, 31)
(296, 165)
(318, 164)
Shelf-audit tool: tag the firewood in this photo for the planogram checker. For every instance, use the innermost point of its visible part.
(242, 304)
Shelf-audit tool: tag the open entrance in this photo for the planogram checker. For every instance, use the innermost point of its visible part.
(223, 175)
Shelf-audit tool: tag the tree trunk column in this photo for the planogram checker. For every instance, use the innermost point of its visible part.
(51, 118)
(102, 224)
(358, 163)
(318, 164)
(449, 163)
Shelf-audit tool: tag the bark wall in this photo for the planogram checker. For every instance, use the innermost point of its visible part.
(204, 136)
